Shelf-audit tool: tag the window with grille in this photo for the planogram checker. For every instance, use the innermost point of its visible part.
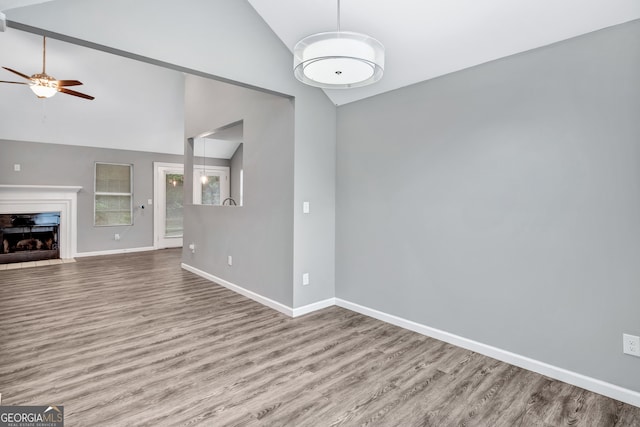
(113, 194)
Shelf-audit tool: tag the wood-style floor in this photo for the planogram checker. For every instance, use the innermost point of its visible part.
(133, 340)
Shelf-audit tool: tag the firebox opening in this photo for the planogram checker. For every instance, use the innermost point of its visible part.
(29, 237)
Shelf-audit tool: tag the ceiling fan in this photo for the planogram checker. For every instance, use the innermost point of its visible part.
(45, 86)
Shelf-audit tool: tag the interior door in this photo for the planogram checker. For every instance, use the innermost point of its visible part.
(169, 194)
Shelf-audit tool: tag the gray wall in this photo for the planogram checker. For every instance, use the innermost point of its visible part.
(235, 169)
(55, 164)
(253, 55)
(502, 203)
(315, 181)
(258, 235)
(210, 161)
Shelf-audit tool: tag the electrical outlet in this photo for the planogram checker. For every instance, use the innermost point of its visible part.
(116, 236)
(631, 344)
(17, 167)
(305, 279)
(230, 260)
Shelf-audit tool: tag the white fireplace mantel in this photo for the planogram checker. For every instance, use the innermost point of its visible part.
(17, 199)
(39, 188)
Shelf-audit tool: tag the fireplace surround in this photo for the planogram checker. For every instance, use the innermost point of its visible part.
(34, 199)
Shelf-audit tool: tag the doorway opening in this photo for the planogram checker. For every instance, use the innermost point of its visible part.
(169, 195)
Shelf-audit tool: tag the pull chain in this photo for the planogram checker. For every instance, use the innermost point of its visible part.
(338, 15)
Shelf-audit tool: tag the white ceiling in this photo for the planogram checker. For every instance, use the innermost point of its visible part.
(10, 4)
(215, 148)
(429, 38)
(221, 143)
(152, 120)
(425, 39)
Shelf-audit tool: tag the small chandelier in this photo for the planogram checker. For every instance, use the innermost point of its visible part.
(338, 59)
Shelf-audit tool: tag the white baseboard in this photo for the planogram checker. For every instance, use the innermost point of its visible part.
(309, 308)
(597, 386)
(284, 309)
(240, 290)
(114, 251)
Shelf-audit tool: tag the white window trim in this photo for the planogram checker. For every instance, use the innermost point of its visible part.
(104, 193)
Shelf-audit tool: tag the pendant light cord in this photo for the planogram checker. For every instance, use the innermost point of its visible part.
(338, 15)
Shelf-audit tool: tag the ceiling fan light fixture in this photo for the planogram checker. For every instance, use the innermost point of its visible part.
(338, 60)
(43, 85)
(43, 91)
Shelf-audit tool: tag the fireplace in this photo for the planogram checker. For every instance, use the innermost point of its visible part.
(29, 237)
(55, 201)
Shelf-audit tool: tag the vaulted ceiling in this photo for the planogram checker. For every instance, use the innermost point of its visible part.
(428, 38)
(425, 39)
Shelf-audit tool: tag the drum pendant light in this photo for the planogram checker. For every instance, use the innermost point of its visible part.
(338, 59)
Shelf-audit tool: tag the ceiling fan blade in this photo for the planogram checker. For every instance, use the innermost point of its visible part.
(74, 93)
(18, 73)
(69, 83)
(15, 83)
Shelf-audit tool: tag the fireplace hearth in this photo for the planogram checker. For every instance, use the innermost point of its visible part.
(29, 237)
